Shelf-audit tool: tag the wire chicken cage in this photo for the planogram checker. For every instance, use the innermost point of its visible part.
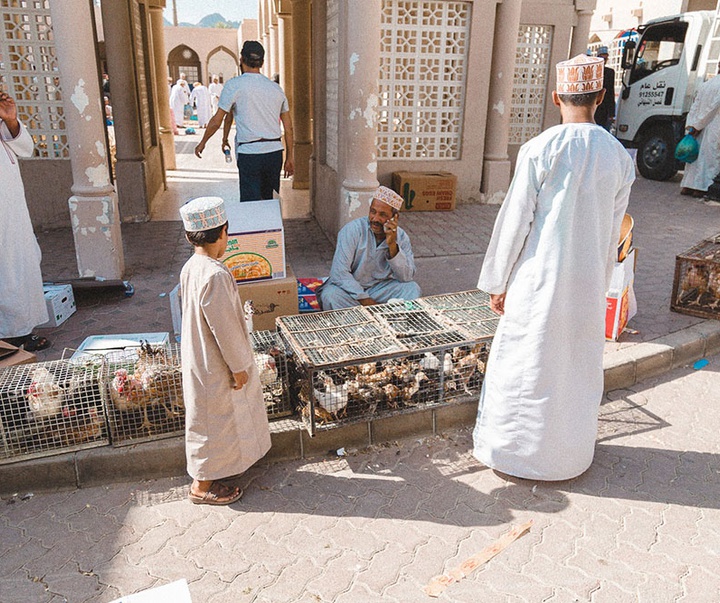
(50, 407)
(353, 364)
(143, 393)
(271, 362)
(696, 287)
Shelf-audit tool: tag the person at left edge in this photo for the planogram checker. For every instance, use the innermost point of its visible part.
(22, 302)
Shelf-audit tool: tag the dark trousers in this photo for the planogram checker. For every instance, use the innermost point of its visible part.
(259, 175)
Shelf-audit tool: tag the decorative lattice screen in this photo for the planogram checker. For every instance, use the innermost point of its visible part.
(423, 71)
(29, 72)
(331, 85)
(532, 60)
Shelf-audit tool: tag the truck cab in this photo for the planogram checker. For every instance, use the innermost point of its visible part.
(661, 74)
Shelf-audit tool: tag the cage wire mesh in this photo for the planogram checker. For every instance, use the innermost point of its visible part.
(50, 407)
(144, 395)
(271, 362)
(350, 365)
(696, 287)
(467, 311)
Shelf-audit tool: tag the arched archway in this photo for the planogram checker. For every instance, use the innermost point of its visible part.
(183, 59)
(222, 62)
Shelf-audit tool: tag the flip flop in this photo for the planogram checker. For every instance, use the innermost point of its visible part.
(218, 494)
(30, 343)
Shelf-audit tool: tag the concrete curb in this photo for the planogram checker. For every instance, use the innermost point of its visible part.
(166, 457)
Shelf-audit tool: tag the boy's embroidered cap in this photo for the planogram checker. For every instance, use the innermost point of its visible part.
(203, 213)
(579, 75)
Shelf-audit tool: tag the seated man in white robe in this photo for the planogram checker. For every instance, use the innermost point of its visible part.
(373, 260)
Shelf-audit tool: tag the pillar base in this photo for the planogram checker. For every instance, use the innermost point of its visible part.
(495, 180)
(302, 151)
(96, 231)
(167, 144)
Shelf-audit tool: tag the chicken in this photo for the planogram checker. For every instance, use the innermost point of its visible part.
(409, 392)
(267, 367)
(335, 397)
(714, 283)
(127, 394)
(430, 362)
(392, 393)
(45, 396)
(81, 426)
(694, 283)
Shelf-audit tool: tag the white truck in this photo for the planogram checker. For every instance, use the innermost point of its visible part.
(661, 73)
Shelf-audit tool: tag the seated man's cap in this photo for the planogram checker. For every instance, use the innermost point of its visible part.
(579, 75)
(602, 50)
(252, 49)
(389, 196)
(203, 213)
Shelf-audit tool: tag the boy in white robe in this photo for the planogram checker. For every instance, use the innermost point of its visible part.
(546, 269)
(226, 427)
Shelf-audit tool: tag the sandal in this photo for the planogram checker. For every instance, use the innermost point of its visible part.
(218, 494)
(30, 343)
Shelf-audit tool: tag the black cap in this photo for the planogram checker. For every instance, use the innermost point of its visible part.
(252, 49)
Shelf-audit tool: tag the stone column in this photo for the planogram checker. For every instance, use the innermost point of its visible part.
(130, 169)
(581, 33)
(274, 47)
(358, 71)
(301, 106)
(93, 204)
(162, 94)
(496, 163)
(285, 41)
(263, 29)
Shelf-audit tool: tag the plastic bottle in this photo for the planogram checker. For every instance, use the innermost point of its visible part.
(228, 155)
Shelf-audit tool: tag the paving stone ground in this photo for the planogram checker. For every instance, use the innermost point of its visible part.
(642, 525)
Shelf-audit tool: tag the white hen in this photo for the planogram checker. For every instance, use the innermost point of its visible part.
(334, 398)
(45, 396)
(267, 367)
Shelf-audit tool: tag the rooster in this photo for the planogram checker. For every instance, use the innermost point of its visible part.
(127, 395)
(335, 397)
(695, 282)
(44, 395)
(161, 380)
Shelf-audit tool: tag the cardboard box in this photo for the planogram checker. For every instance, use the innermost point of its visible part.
(256, 241)
(14, 356)
(273, 298)
(621, 304)
(426, 191)
(60, 303)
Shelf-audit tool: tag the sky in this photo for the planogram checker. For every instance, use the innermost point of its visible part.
(191, 11)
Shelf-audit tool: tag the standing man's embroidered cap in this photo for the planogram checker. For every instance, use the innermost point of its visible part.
(386, 195)
(252, 49)
(203, 213)
(579, 75)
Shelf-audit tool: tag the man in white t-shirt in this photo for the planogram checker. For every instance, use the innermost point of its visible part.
(259, 106)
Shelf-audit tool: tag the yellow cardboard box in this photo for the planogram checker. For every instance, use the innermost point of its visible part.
(426, 191)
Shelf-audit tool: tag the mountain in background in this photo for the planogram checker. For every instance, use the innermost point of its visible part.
(214, 20)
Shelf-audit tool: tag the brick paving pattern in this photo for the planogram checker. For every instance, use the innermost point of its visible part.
(640, 526)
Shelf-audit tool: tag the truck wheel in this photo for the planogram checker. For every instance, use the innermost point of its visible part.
(656, 153)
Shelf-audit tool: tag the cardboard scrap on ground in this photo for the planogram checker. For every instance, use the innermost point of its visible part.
(175, 592)
(438, 584)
